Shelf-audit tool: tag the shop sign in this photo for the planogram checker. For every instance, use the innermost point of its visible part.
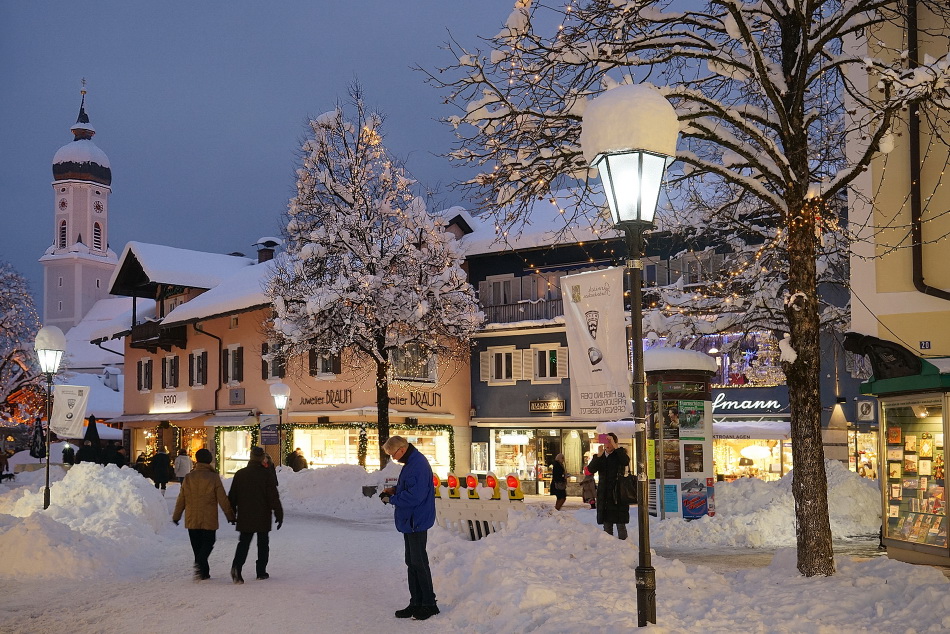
(547, 405)
(770, 402)
(334, 398)
(422, 400)
(170, 402)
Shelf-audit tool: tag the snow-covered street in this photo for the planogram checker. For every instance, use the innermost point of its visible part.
(106, 558)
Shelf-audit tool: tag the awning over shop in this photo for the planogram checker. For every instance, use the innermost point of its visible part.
(760, 430)
(143, 418)
(231, 418)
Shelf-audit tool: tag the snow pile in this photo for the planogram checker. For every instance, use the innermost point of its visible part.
(549, 572)
(336, 491)
(101, 520)
(751, 513)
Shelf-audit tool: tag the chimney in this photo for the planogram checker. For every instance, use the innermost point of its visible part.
(266, 248)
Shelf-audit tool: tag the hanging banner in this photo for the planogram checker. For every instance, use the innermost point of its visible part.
(69, 409)
(597, 340)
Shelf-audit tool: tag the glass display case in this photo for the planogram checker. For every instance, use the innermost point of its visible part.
(915, 479)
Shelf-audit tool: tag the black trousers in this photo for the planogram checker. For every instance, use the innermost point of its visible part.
(202, 543)
(417, 562)
(244, 545)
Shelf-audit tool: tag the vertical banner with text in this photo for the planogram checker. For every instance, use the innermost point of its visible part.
(597, 340)
(69, 410)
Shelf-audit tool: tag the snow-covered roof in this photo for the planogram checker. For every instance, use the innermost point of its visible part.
(81, 151)
(243, 289)
(656, 359)
(83, 355)
(122, 322)
(547, 225)
(182, 267)
(104, 402)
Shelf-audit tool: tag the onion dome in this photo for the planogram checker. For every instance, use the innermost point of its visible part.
(82, 159)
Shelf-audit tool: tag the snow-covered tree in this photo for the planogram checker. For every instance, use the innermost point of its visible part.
(767, 94)
(368, 270)
(19, 324)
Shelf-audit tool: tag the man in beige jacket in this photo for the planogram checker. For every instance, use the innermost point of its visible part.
(201, 494)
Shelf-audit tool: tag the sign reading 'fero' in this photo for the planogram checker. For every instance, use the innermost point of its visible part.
(170, 402)
(547, 405)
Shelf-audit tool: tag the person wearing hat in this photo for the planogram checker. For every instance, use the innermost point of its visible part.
(201, 494)
(254, 497)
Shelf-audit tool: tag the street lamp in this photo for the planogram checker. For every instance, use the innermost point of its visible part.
(50, 346)
(280, 392)
(629, 134)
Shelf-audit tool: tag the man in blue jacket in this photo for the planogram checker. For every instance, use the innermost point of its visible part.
(414, 500)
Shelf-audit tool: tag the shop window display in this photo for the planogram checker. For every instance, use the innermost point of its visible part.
(515, 452)
(235, 450)
(750, 458)
(328, 446)
(916, 484)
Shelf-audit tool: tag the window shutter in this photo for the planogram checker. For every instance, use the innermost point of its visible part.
(265, 371)
(191, 368)
(148, 374)
(175, 371)
(280, 368)
(164, 373)
(528, 362)
(226, 366)
(203, 366)
(336, 363)
(484, 366)
(516, 365)
(239, 363)
(562, 366)
(313, 361)
(139, 372)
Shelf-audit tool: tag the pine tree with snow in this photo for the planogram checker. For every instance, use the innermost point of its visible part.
(368, 271)
(769, 95)
(19, 372)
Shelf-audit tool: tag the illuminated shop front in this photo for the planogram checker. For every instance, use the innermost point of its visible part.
(863, 458)
(529, 452)
(357, 443)
(751, 433)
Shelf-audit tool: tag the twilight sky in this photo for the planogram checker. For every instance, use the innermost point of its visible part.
(200, 106)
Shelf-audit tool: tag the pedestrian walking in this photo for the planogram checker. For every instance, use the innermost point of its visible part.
(161, 466)
(611, 462)
(201, 494)
(414, 500)
(255, 500)
(86, 453)
(182, 465)
(296, 460)
(558, 481)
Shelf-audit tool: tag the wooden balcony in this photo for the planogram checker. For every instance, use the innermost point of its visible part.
(524, 311)
(152, 335)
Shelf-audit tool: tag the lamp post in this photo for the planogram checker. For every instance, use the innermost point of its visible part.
(281, 393)
(50, 346)
(629, 134)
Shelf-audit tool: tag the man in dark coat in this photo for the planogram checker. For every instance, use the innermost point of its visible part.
(161, 466)
(254, 497)
(109, 455)
(414, 500)
(86, 453)
(296, 460)
(611, 462)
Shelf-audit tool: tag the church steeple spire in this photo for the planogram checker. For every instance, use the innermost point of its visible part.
(82, 129)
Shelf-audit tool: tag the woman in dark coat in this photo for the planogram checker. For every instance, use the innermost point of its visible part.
(254, 498)
(558, 481)
(611, 462)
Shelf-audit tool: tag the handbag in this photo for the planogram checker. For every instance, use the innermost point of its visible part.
(626, 488)
(559, 486)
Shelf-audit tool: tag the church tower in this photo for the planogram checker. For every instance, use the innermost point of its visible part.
(79, 263)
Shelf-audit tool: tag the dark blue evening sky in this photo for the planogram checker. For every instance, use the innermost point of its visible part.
(200, 106)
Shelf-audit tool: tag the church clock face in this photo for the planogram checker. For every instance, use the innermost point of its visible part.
(63, 204)
(97, 206)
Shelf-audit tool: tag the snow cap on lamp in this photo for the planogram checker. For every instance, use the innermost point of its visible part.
(629, 117)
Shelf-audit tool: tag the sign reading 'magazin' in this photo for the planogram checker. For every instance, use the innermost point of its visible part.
(547, 405)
